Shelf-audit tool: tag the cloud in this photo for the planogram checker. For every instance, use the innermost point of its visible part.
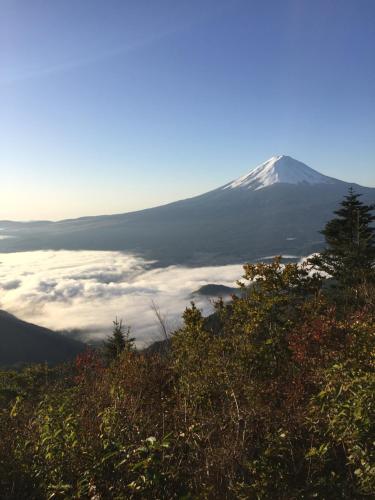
(21, 74)
(83, 291)
(11, 285)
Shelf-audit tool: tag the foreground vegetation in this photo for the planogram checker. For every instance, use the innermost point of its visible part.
(273, 397)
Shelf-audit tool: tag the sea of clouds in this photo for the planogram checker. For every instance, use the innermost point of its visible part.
(82, 292)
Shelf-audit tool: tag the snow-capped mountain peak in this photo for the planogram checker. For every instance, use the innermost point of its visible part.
(279, 169)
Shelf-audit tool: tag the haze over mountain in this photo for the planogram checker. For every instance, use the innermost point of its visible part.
(277, 208)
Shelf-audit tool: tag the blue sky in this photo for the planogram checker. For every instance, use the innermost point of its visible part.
(110, 106)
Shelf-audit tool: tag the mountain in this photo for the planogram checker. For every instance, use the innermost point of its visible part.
(214, 290)
(22, 342)
(277, 208)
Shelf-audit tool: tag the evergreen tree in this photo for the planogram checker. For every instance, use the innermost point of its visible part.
(118, 342)
(350, 253)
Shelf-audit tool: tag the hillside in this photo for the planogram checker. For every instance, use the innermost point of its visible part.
(272, 396)
(214, 290)
(22, 342)
(275, 401)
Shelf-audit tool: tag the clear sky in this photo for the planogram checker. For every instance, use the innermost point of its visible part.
(114, 105)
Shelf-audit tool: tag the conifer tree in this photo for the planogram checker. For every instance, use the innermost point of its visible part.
(350, 253)
(118, 342)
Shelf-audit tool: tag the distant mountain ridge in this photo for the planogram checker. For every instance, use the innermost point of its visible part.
(216, 290)
(277, 208)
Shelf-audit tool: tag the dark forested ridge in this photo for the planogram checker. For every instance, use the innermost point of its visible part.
(214, 290)
(22, 342)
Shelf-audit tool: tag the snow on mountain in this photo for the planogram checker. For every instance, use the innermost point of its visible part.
(279, 169)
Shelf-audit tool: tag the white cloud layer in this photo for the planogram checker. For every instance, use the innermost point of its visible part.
(86, 290)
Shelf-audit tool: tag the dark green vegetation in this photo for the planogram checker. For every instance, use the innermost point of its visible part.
(118, 342)
(275, 399)
(22, 342)
(350, 251)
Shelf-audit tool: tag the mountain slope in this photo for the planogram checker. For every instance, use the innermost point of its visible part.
(22, 342)
(278, 208)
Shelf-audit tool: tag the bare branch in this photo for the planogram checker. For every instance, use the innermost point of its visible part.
(160, 319)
